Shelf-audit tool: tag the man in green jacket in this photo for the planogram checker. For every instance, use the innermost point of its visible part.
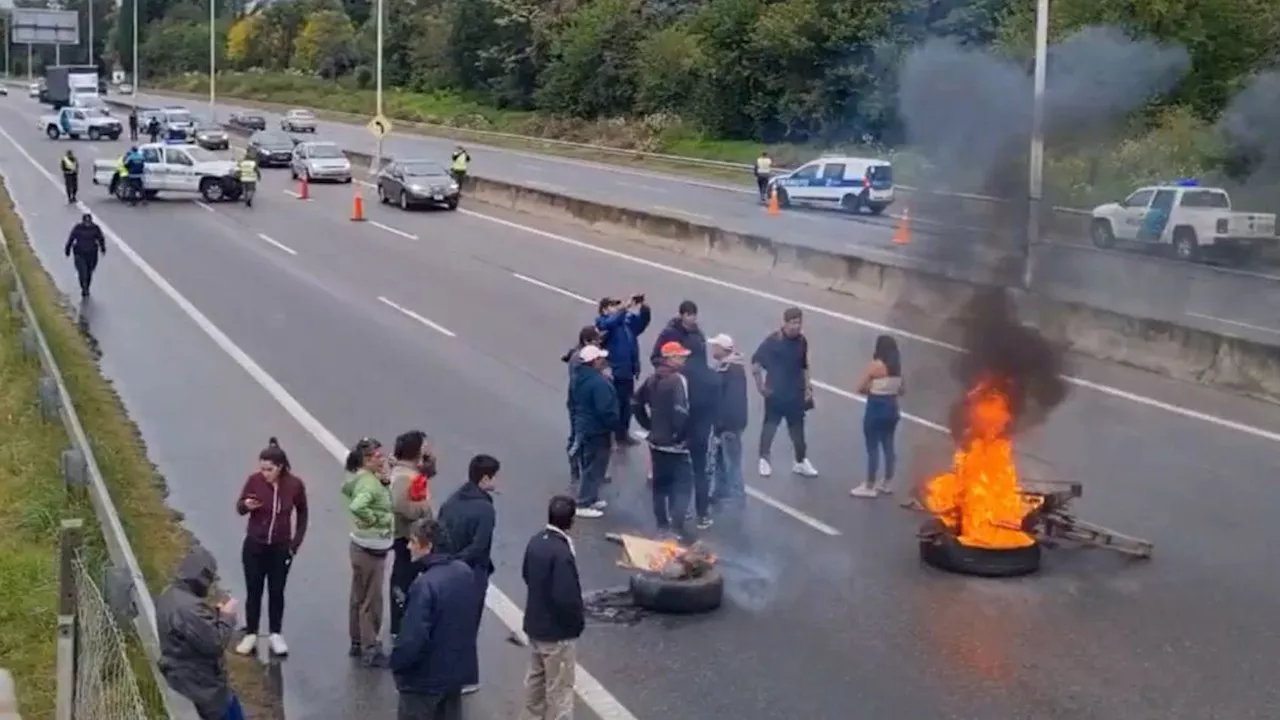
(368, 499)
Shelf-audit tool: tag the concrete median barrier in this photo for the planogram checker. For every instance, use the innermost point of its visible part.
(1166, 320)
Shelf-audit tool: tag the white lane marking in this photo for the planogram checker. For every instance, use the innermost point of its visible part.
(594, 695)
(295, 195)
(678, 211)
(411, 314)
(205, 206)
(278, 245)
(879, 327)
(860, 399)
(553, 288)
(763, 497)
(1237, 323)
(393, 231)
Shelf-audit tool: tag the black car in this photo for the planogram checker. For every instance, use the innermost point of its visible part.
(270, 149)
(248, 121)
(412, 183)
(210, 136)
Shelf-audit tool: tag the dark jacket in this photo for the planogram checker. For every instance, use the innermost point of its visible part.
(661, 406)
(572, 360)
(731, 405)
(134, 163)
(85, 240)
(194, 636)
(554, 610)
(621, 332)
(468, 517)
(436, 648)
(593, 403)
(702, 381)
(273, 522)
(785, 361)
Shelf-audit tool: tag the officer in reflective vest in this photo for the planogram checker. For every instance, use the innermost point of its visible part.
(764, 171)
(459, 167)
(70, 175)
(247, 171)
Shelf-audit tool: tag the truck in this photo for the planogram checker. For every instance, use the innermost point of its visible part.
(66, 82)
(80, 122)
(1185, 220)
(184, 168)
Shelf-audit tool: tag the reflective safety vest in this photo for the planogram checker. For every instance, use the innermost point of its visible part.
(248, 170)
(69, 166)
(764, 166)
(121, 169)
(459, 162)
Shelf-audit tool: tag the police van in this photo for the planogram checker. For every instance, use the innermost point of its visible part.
(851, 183)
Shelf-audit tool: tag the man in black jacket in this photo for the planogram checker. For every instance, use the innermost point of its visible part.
(468, 518)
(661, 406)
(781, 370)
(594, 402)
(731, 419)
(85, 243)
(554, 616)
(436, 644)
(683, 329)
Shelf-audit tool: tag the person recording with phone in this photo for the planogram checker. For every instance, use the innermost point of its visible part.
(621, 324)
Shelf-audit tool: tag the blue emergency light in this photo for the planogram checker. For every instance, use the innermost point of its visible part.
(1187, 182)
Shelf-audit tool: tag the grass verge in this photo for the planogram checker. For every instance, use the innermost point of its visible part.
(33, 499)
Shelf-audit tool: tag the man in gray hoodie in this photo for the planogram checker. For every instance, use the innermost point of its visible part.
(194, 636)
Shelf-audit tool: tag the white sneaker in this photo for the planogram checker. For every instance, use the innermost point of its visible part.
(600, 504)
(589, 513)
(864, 491)
(765, 469)
(277, 645)
(805, 468)
(247, 645)
(883, 487)
(470, 689)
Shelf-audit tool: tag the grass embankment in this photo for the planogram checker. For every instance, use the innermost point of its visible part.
(1178, 144)
(33, 500)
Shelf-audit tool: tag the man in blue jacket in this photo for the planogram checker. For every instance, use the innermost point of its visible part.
(436, 645)
(595, 421)
(621, 325)
(554, 615)
(136, 169)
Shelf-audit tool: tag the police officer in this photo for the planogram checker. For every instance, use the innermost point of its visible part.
(133, 124)
(763, 171)
(458, 168)
(85, 243)
(247, 171)
(70, 175)
(153, 128)
(134, 171)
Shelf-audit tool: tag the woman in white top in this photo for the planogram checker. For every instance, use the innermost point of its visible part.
(882, 383)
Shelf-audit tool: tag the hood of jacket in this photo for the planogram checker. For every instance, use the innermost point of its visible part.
(197, 571)
(430, 560)
(472, 491)
(582, 376)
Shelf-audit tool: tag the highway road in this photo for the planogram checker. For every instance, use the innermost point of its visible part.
(1195, 296)
(222, 325)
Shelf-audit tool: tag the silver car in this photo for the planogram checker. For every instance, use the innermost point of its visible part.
(298, 121)
(320, 161)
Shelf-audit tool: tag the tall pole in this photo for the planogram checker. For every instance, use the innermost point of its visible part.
(377, 158)
(137, 77)
(92, 60)
(213, 60)
(57, 53)
(28, 62)
(1035, 195)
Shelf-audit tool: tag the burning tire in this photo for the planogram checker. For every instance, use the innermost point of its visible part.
(940, 549)
(684, 596)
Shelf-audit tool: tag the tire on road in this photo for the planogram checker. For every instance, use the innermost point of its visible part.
(1102, 234)
(52, 131)
(678, 597)
(212, 190)
(942, 551)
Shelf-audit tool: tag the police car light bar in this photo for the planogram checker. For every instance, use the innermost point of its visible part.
(1187, 182)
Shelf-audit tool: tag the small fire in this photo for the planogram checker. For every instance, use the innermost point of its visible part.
(979, 500)
(659, 558)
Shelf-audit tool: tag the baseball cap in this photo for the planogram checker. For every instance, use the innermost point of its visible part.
(673, 349)
(591, 353)
(722, 340)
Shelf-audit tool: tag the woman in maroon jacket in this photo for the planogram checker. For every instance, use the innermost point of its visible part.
(274, 499)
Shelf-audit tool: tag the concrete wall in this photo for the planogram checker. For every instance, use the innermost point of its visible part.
(8, 697)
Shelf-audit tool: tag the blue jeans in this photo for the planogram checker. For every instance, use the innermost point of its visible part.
(726, 467)
(879, 424)
(233, 711)
(593, 466)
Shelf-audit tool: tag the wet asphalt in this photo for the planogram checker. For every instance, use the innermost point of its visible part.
(828, 607)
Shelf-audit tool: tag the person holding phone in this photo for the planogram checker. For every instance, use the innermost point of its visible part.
(621, 323)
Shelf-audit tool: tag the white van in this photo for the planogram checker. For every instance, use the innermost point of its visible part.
(851, 183)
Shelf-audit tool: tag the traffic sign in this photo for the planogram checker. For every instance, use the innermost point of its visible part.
(380, 126)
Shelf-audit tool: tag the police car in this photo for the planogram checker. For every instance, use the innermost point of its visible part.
(75, 123)
(170, 167)
(851, 183)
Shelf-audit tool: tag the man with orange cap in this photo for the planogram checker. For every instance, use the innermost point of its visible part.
(661, 406)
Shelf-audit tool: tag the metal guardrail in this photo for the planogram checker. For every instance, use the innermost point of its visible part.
(79, 459)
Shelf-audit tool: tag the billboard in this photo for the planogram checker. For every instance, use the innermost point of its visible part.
(39, 26)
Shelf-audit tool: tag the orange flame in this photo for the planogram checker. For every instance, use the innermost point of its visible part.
(979, 499)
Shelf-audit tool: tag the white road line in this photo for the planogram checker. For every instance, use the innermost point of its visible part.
(425, 321)
(594, 695)
(393, 231)
(553, 288)
(205, 206)
(295, 195)
(278, 245)
(1237, 323)
(677, 211)
(879, 327)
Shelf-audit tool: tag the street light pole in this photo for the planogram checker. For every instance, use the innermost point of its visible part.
(92, 60)
(137, 77)
(213, 59)
(1035, 195)
(377, 164)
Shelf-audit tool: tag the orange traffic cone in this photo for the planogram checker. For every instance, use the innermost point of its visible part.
(902, 232)
(303, 190)
(773, 201)
(357, 208)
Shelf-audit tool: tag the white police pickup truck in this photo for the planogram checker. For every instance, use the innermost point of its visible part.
(1186, 220)
(175, 169)
(850, 183)
(78, 122)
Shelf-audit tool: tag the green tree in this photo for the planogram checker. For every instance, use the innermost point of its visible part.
(668, 63)
(326, 44)
(591, 69)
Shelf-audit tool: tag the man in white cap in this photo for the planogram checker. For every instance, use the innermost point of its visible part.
(730, 422)
(593, 405)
